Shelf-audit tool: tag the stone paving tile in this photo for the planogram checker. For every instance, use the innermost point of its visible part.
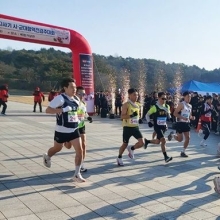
(185, 217)
(54, 214)
(25, 217)
(214, 210)
(145, 188)
(19, 209)
(201, 214)
(2, 216)
(80, 212)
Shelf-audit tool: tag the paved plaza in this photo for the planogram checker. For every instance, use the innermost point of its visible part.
(145, 188)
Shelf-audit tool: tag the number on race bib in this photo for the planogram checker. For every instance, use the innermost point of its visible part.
(161, 121)
(72, 118)
(134, 121)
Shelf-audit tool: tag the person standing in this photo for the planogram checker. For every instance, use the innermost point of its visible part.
(38, 98)
(160, 112)
(4, 98)
(130, 115)
(118, 104)
(183, 113)
(97, 103)
(65, 107)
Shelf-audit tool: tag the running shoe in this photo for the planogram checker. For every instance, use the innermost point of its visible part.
(130, 152)
(145, 143)
(78, 178)
(203, 144)
(83, 170)
(46, 160)
(183, 154)
(168, 159)
(120, 162)
(170, 136)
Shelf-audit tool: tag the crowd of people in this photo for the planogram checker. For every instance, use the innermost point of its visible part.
(191, 111)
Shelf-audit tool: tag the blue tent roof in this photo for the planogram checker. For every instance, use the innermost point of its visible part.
(199, 87)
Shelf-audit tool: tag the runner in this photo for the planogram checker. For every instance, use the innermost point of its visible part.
(160, 112)
(183, 113)
(65, 107)
(82, 114)
(130, 115)
(206, 117)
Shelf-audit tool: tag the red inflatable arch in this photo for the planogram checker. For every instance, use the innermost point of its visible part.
(34, 32)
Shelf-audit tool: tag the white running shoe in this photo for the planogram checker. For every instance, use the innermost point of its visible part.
(46, 160)
(130, 152)
(120, 162)
(203, 144)
(78, 178)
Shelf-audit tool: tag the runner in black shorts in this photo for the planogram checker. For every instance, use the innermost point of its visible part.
(128, 132)
(131, 116)
(183, 113)
(82, 115)
(65, 107)
(160, 112)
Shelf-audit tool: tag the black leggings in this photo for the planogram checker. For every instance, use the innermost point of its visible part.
(40, 106)
(206, 129)
(4, 106)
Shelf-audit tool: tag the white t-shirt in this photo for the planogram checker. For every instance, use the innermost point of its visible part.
(58, 101)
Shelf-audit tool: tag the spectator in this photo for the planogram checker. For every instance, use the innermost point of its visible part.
(51, 95)
(4, 98)
(118, 104)
(38, 98)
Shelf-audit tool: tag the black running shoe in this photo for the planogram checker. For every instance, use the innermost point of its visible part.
(182, 154)
(83, 170)
(168, 159)
(170, 136)
(145, 143)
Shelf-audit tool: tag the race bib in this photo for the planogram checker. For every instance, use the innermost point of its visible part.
(209, 114)
(161, 120)
(134, 121)
(186, 115)
(72, 117)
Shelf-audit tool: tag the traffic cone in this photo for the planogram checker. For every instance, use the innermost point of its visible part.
(199, 126)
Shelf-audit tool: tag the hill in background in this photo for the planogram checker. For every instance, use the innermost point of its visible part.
(26, 69)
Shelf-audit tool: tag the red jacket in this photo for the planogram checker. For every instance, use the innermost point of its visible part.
(38, 96)
(206, 114)
(51, 96)
(4, 95)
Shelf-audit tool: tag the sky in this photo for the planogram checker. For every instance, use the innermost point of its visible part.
(173, 31)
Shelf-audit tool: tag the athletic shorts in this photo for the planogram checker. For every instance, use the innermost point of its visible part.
(129, 132)
(160, 131)
(82, 130)
(66, 137)
(182, 127)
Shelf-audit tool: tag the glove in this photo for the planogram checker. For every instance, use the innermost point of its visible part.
(140, 121)
(133, 114)
(150, 124)
(67, 109)
(89, 119)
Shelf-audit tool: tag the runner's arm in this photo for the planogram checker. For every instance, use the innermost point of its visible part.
(168, 112)
(55, 105)
(177, 110)
(124, 112)
(150, 112)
